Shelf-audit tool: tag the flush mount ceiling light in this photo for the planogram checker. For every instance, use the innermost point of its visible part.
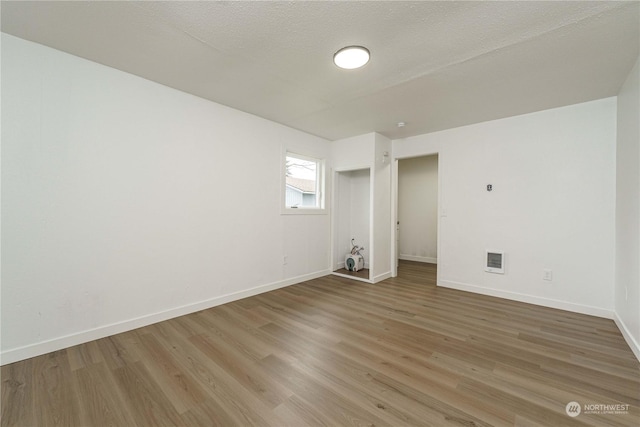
(351, 57)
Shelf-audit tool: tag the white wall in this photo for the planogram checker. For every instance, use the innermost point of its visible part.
(353, 153)
(125, 202)
(552, 204)
(382, 209)
(627, 291)
(418, 208)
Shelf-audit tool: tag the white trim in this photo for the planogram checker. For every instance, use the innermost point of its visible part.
(381, 277)
(395, 250)
(372, 231)
(427, 259)
(347, 276)
(633, 344)
(37, 349)
(354, 168)
(530, 299)
(303, 211)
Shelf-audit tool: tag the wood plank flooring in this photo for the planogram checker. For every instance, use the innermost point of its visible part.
(338, 352)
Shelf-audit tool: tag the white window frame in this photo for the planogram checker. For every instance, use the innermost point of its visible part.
(320, 186)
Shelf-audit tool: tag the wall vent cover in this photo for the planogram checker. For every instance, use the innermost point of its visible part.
(495, 262)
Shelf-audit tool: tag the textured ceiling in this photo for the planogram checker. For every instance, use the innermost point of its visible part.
(434, 65)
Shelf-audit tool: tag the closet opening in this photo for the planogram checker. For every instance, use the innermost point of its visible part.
(352, 224)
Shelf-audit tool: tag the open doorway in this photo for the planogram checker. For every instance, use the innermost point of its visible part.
(417, 210)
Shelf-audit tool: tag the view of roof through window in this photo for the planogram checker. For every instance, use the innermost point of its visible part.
(301, 182)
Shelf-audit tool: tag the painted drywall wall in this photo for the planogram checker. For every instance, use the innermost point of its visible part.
(552, 204)
(627, 290)
(381, 209)
(352, 214)
(353, 153)
(418, 209)
(125, 202)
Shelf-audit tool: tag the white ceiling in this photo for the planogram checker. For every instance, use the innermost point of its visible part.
(434, 65)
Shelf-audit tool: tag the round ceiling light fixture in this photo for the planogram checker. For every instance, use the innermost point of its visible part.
(351, 57)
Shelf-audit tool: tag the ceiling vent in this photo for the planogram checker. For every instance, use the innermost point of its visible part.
(494, 262)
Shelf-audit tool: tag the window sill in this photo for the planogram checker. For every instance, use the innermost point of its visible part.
(303, 211)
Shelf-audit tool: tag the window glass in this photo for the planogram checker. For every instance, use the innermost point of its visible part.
(303, 179)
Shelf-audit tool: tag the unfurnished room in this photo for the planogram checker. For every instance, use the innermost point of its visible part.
(320, 213)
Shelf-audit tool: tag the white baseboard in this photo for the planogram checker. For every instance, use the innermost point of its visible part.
(428, 260)
(348, 276)
(37, 349)
(633, 344)
(378, 278)
(381, 277)
(545, 302)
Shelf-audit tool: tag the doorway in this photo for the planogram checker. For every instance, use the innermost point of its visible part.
(417, 210)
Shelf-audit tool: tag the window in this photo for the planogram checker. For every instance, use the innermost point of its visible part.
(303, 183)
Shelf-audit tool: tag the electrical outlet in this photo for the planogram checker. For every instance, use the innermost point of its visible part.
(547, 275)
(284, 260)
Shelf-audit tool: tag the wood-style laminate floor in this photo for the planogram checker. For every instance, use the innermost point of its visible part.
(338, 352)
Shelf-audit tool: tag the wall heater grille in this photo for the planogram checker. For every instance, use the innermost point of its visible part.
(494, 262)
